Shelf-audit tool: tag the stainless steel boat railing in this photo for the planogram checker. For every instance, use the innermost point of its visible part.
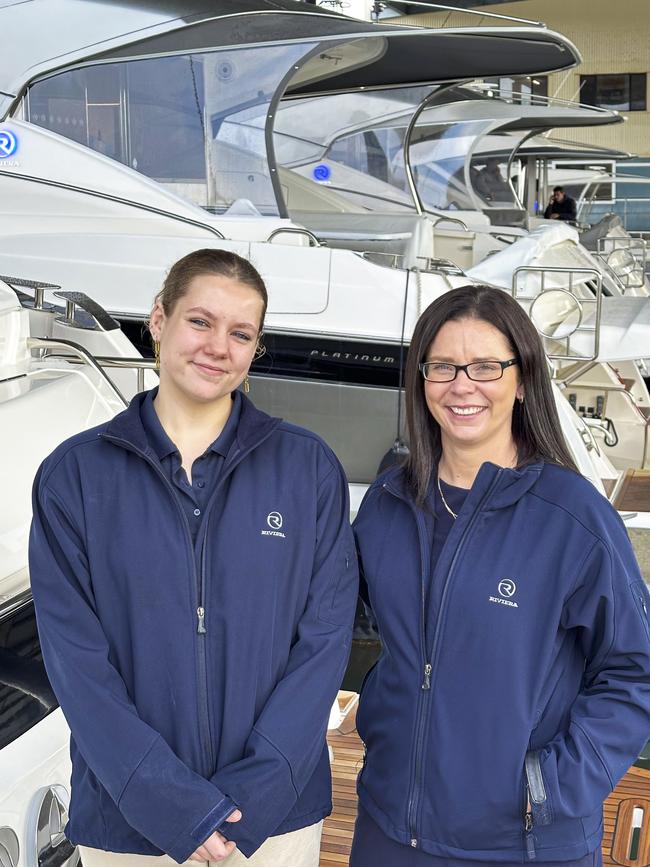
(73, 353)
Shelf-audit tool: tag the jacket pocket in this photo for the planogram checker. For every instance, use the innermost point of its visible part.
(338, 603)
(541, 809)
(640, 593)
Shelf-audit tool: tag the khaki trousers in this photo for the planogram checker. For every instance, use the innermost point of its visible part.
(296, 849)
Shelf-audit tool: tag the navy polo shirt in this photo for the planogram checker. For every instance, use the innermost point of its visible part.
(206, 469)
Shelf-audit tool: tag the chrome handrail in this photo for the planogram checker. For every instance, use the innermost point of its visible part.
(537, 99)
(138, 364)
(434, 6)
(434, 265)
(637, 248)
(596, 300)
(290, 230)
(86, 357)
(440, 218)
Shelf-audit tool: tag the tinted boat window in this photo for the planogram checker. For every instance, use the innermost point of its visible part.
(25, 693)
(194, 123)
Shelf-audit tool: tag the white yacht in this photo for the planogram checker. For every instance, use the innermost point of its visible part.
(44, 398)
(132, 148)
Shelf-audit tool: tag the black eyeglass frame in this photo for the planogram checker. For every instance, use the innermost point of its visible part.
(457, 367)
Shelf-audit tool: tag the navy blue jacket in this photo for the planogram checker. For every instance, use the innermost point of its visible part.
(529, 670)
(176, 714)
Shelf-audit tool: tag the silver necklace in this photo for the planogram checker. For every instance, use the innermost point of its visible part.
(444, 502)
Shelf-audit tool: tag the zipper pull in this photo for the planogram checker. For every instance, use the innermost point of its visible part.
(426, 683)
(200, 612)
(530, 840)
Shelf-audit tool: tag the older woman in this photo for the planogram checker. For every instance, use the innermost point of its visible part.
(513, 690)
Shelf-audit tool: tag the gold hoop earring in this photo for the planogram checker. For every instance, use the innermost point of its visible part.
(156, 353)
(247, 384)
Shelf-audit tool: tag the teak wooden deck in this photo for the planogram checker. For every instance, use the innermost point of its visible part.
(634, 495)
(348, 756)
(619, 838)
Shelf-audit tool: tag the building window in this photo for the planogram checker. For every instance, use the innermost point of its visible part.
(625, 92)
(521, 89)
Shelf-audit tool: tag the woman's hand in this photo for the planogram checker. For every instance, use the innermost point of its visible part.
(216, 847)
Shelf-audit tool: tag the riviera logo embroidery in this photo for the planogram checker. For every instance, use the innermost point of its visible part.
(274, 520)
(506, 589)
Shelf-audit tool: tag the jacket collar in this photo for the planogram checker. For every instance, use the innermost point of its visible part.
(126, 427)
(508, 485)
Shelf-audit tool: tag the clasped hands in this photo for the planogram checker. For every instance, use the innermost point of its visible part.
(216, 847)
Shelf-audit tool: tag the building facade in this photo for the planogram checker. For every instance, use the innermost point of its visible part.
(613, 40)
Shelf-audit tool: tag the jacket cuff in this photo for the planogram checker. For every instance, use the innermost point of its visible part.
(163, 798)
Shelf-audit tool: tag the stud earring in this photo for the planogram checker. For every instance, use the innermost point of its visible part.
(521, 399)
(156, 353)
(247, 384)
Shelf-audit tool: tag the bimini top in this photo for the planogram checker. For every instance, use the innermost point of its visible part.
(543, 147)
(43, 36)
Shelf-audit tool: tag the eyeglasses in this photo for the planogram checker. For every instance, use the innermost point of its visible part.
(479, 371)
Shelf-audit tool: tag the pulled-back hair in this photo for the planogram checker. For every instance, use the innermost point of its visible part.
(221, 263)
(535, 422)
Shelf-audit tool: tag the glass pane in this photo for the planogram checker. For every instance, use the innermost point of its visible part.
(521, 89)
(239, 87)
(194, 123)
(25, 693)
(488, 176)
(438, 157)
(59, 104)
(588, 89)
(540, 85)
(166, 105)
(83, 105)
(613, 91)
(103, 99)
(347, 150)
(638, 92)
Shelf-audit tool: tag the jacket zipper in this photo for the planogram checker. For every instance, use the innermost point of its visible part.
(414, 795)
(204, 723)
(423, 704)
(536, 794)
(199, 582)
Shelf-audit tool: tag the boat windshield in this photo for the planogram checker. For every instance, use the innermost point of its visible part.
(344, 152)
(186, 121)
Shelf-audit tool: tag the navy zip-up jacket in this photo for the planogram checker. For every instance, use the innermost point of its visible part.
(528, 673)
(178, 714)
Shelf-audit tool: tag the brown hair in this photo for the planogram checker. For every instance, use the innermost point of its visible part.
(221, 263)
(536, 425)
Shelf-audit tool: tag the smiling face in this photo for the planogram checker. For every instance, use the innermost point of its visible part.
(208, 340)
(476, 415)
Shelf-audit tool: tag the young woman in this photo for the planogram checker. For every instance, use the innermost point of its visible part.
(513, 689)
(195, 582)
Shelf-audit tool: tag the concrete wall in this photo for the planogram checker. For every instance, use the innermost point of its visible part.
(613, 36)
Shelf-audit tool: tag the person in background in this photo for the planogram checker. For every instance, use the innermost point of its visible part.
(195, 582)
(513, 687)
(561, 206)
(490, 183)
